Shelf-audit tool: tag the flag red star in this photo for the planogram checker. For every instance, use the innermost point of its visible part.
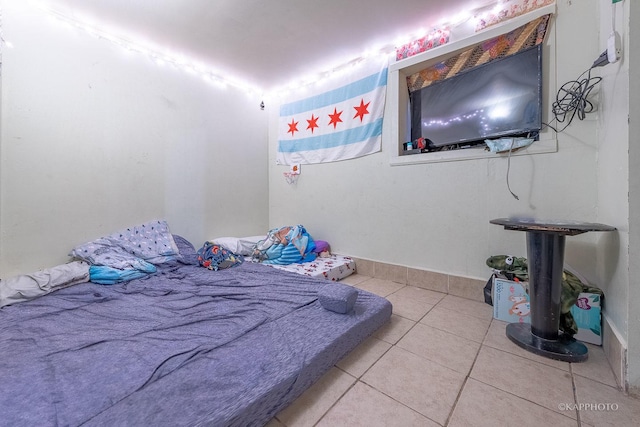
(361, 109)
(293, 127)
(335, 118)
(313, 123)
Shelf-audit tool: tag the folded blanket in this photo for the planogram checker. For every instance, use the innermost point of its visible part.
(29, 286)
(104, 275)
(136, 247)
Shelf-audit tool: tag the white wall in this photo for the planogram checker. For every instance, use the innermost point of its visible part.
(633, 43)
(94, 139)
(436, 216)
(618, 160)
(633, 48)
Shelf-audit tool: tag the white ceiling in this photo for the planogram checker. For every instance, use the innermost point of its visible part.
(265, 43)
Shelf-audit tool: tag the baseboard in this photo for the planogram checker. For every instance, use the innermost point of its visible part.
(615, 348)
(461, 286)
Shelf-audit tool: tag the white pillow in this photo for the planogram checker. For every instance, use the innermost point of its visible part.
(238, 245)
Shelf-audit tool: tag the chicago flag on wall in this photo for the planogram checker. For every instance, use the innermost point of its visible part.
(342, 121)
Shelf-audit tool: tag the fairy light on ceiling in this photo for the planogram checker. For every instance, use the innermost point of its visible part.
(488, 14)
(3, 42)
(159, 57)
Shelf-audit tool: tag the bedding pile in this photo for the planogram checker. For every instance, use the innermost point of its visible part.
(215, 257)
(128, 254)
(286, 245)
(282, 249)
(184, 346)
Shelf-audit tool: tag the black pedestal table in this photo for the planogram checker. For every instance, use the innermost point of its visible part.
(545, 255)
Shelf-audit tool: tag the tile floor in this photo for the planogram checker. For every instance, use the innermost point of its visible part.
(444, 361)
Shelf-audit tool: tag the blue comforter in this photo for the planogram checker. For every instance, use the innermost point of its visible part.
(185, 346)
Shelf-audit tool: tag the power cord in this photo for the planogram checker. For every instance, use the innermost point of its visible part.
(571, 99)
(515, 196)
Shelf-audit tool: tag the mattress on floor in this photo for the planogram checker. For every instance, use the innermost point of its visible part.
(334, 268)
(186, 346)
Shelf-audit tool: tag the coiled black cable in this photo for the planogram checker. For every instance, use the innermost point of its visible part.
(572, 99)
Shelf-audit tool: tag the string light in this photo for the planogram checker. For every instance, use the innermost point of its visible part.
(3, 41)
(158, 57)
(476, 15)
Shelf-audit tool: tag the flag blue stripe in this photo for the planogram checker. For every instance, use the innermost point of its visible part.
(365, 85)
(346, 137)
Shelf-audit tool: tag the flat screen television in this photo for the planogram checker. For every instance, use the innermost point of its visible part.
(497, 99)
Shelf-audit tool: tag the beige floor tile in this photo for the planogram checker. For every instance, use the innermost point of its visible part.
(497, 338)
(424, 386)
(459, 324)
(542, 384)
(354, 279)
(594, 397)
(367, 407)
(408, 307)
(418, 294)
(395, 329)
(363, 357)
(379, 287)
(462, 305)
(441, 347)
(317, 400)
(596, 367)
(482, 405)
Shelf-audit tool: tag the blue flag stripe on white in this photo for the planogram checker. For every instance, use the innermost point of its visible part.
(349, 136)
(340, 94)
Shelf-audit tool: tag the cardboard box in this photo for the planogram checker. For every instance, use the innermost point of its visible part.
(587, 315)
(510, 301)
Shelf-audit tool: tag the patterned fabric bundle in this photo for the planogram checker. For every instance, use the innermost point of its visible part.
(286, 245)
(521, 38)
(215, 257)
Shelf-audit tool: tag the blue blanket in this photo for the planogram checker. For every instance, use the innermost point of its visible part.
(185, 346)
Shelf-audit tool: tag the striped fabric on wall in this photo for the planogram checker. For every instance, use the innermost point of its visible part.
(524, 37)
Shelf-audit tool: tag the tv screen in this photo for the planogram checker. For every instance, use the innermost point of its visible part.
(500, 98)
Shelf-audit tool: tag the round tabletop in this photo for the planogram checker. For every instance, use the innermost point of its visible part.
(569, 228)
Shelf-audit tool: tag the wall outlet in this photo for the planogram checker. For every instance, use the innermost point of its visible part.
(614, 50)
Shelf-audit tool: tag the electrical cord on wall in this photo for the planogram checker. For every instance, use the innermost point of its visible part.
(571, 99)
(508, 168)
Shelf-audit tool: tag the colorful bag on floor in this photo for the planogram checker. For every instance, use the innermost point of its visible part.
(215, 257)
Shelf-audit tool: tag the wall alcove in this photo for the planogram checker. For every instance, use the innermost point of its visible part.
(398, 105)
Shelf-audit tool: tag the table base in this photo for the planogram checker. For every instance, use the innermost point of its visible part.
(565, 349)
